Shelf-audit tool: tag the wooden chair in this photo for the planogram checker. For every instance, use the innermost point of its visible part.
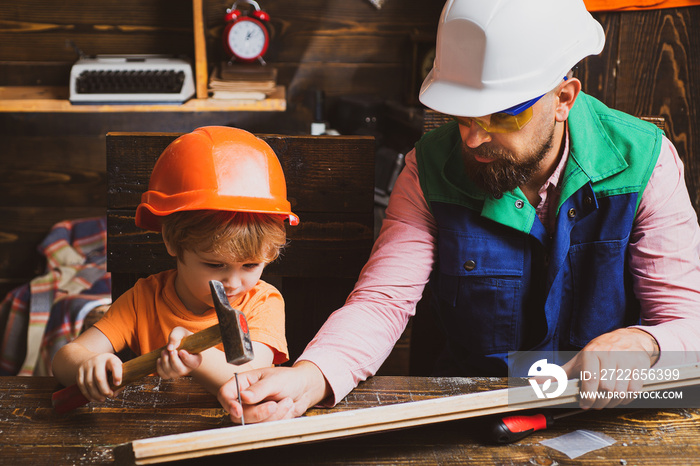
(330, 184)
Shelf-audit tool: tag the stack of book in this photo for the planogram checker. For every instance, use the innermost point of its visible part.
(242, 82)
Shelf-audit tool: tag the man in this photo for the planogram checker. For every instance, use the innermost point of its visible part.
(543, 220)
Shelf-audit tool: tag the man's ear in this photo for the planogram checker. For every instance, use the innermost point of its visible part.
(566, 96)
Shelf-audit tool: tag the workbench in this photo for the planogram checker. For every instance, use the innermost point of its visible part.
(31, 433)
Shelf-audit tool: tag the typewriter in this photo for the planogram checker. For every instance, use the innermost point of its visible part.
(131, 79)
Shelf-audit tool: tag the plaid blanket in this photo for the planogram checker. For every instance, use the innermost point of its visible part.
(37, 318)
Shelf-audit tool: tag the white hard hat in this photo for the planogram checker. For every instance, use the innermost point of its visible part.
(493, 55)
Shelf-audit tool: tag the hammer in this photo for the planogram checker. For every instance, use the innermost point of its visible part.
(232, 330)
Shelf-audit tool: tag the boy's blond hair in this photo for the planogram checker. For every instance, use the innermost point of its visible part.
(242, 236)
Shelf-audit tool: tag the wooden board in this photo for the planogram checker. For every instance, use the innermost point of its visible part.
(201, 77)
(33, 434)
(362, 421)
(53, 99)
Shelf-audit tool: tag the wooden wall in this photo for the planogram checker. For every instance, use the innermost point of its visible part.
(651, 66)
(53, 165)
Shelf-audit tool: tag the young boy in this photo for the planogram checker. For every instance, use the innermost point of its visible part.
(218, 196)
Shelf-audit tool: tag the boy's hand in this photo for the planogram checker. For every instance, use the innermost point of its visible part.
(173, 363)
(94, 376)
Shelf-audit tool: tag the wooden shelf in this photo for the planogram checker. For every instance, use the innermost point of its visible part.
(47, 99)
(54, 99)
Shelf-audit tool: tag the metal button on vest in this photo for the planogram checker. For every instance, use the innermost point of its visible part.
(588, 201)
(572, 213)
(519, 204)
(469, 265)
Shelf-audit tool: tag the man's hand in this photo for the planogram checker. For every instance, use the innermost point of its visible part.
(275, 393)
(611, 357)
(173, 363)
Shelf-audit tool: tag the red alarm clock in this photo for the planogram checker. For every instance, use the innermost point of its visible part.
(246, 35)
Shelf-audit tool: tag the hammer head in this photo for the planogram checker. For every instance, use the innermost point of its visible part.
(233, 326)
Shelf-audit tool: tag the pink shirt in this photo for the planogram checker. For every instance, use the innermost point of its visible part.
(664, 258)
(549, 194)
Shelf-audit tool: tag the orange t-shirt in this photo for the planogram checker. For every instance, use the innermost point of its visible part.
(143, 317)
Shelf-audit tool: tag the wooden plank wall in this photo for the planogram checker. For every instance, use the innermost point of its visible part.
(651, 66)
(53, 165)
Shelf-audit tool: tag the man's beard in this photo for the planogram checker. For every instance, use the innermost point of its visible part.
(506, 172)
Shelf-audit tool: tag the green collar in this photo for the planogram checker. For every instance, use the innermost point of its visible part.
(599, 162)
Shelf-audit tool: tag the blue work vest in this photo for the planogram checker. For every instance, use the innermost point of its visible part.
(500, 283)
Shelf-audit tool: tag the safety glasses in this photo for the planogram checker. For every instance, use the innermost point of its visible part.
(508, 121)
(499, 122)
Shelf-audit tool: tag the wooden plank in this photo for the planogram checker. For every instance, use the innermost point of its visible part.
(598, 72)
(362, 421)
(200, 51)
(34, 434)
(37, 31)
(54, 99)
(70, 185)
(658, 75)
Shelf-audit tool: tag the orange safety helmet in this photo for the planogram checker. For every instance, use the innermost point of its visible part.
(215, 168)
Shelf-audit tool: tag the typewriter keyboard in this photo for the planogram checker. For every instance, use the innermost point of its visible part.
(130, 82)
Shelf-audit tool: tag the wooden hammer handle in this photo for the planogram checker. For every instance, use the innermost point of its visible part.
(69, 398)
(141, 366)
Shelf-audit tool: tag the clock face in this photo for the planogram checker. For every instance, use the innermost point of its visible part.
(247, 39)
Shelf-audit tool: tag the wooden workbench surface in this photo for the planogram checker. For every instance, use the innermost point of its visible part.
(31, 433)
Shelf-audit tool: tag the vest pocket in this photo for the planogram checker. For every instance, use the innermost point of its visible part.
(479, 287)
(485, 318)
(599, 297)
